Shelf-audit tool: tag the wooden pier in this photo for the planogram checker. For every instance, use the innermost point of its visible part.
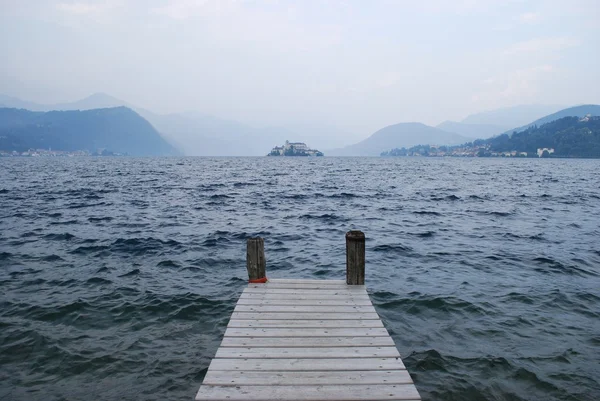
(307, 340)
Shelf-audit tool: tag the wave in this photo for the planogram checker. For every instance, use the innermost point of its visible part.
(99, 219)
(143, 246)
(168, 263)
(131, 273)
(98, 280)
(64, 223)
(447, 198)
(59, 237)
(425, 305)
(551, 265)
(427, 212)
(393, 248)
(425, 234)
(52, 258)
(86, 205)
(324, 217)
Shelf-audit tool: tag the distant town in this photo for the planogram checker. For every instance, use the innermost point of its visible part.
(294, 149)
(57, 153)
(463, 151)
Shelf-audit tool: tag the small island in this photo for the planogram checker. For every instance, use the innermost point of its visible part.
(294, 149)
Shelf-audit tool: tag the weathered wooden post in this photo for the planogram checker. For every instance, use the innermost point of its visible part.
(255, 260)
(355, 258)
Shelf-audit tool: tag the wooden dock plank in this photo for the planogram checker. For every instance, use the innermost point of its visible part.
(305, 281)
(308, 353)
(305, 308)
(314, 323)
(357, 392)
(314, 342)
(294, 332)
(306, 340)
(303, 316)
(299, 364)
(359, 296)
(316, 302)
(306, 286)
(313, 378)
(341, 291)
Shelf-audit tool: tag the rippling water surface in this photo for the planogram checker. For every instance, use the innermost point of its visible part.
(118, 275)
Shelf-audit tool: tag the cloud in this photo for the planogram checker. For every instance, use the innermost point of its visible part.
(523, 83)
(89, 8)
(541, 45)
(456, 7)
(273, 23)
(529, 18)
(184, 9)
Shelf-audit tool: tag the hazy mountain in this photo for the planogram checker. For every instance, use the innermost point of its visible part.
(576, 111)
(398, 136)
(9, 101)
(94, 101)
(473, 130)
(515, 116)
(119, 130)
(200, 135)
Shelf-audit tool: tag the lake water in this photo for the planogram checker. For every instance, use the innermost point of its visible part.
(118, 275)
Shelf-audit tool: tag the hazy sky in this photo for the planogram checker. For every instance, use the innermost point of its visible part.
(358, 65)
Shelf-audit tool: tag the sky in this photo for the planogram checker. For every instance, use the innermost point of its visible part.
(354, 65)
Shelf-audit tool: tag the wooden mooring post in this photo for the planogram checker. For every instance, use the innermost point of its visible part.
(306, 340)
(256, 263)
(355, 258)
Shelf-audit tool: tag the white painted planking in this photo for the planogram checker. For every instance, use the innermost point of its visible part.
(357, 392)
(303, 316)
(308, 353)
(315, 342)
(313, 378)
(299, 364)
(297, 332)
(285, 323)
(306, 308)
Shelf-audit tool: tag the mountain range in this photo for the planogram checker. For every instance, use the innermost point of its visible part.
(94, 101)
(404, 134)
(196, 134)
(496, 122)
(576, 111)
(116, 130)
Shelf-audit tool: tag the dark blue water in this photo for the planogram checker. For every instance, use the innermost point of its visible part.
(118, 275)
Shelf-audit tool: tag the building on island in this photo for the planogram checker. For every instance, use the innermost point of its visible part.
(294, 149)
(540, 151)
